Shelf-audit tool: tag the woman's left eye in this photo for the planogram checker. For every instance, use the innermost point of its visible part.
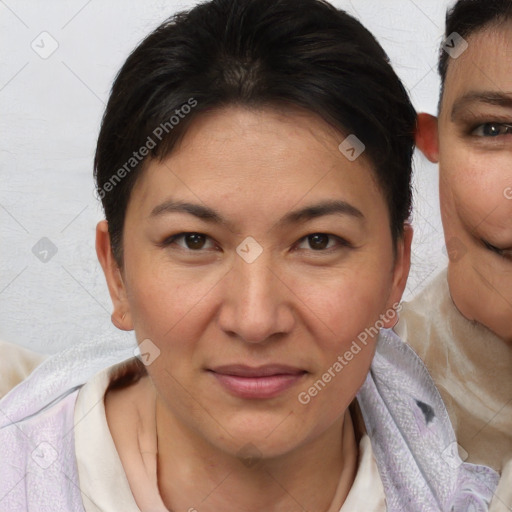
(492, 129)
(321, 241)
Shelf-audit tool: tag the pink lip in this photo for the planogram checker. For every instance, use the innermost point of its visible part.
(262, 382)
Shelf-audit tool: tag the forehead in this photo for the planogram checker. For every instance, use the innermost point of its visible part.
(485, 66)
(258, 147)
(269, 161)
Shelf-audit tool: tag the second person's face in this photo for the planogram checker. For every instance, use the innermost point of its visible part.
(475, 157)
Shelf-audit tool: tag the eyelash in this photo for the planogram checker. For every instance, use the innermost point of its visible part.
(341, 242)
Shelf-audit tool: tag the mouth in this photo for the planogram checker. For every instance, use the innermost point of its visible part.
(504, 252)
(261, 382)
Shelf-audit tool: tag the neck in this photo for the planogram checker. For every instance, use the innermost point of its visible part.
(195, 475)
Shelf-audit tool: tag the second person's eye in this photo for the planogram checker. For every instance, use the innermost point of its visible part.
(492, 129)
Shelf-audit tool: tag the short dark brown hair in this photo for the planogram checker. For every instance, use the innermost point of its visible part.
(469, 16)
(254, 53)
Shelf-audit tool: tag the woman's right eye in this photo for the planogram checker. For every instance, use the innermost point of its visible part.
(190, 241)
(492, 129)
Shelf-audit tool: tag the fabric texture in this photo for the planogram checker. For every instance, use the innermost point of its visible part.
(37, 462)
(16, 363)
(62, 372)
(470, 366)
(37, 453)
(413, 439)
(502, 501)
(39, 414)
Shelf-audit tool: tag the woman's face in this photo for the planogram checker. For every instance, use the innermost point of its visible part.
(254, 256)
(475, 157)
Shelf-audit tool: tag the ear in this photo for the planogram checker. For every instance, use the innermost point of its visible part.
(121, 316)
(400, 275)
(427, 136)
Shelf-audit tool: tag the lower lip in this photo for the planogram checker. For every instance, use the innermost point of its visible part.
(257, 387)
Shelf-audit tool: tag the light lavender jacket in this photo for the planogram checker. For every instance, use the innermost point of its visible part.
(412, 438)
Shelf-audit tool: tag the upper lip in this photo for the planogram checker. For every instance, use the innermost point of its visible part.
(240, 370)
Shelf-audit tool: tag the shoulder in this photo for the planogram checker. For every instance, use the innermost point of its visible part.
(423, 318)
(16, 363)
(38, 459)
(37, 463)
(408, 422)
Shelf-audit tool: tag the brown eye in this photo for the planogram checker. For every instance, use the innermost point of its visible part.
(194, 241)
(189, 241)
(318, 241)
(323, 242)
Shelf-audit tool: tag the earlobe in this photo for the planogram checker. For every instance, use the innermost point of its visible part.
(427, 136)
(400, 275)
(122, 321)
(121, 316)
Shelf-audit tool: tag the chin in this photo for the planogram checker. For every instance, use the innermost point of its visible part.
(270, 435)
(477, 302)
(253, 447)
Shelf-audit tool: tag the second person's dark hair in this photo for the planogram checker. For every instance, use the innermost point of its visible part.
(469, 16)
(254, 53)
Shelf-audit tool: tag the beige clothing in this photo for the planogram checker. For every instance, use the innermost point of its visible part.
(16, 363)
(502, 501)
(472, 369)
(107, 486)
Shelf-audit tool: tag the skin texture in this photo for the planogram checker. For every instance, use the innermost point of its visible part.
(476, 177)
(293, 305)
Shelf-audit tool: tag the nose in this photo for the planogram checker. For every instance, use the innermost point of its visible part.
(257, 306)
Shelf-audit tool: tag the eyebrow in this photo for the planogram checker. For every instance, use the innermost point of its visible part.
(485, 97)
(321, 209)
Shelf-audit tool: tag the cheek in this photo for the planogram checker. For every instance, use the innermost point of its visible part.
(342, 307)
(357, 306)
(328, 393)
(164, 301)
(473, 184)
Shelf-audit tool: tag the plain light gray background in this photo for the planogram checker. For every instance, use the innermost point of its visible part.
(51, 106)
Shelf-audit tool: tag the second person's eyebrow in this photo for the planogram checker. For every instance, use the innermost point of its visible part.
(485, 97)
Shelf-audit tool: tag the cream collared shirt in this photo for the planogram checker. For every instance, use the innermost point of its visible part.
(16, 364)
(108, 487)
